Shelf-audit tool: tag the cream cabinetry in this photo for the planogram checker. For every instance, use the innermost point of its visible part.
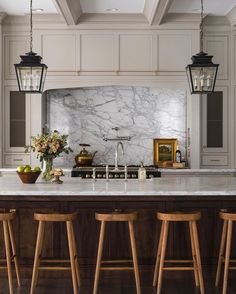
(136, 52)
(215, 127)
(14, 46)
(97, 52)
(59, 51)
(16, 122)
(218, 46)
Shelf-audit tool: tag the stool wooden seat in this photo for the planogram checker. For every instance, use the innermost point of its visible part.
(191, 218)
(225, 247)
(74, 267)
(116, 217)
(6, 218)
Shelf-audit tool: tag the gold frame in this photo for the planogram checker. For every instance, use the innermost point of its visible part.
(156, 154)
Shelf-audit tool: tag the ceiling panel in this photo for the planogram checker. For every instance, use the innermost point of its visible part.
(214, 7)
(19, 7)
(122, 6)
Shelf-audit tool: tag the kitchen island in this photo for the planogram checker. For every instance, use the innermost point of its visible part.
(207, 194)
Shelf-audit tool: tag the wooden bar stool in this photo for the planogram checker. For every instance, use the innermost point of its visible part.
(191, 218)
(74, 267)
(116, 217)
(10, 247)
(225, 247)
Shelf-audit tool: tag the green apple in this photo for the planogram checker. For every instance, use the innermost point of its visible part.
(20, 168)
(37, 169)
(27, 169)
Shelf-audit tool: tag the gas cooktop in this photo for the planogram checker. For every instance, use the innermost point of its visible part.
(86, 172)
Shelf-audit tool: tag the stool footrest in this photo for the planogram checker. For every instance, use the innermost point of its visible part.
(120, 268)
(57, 268)
(55, 260)
(116, 261)
(178, 261)
(179, 268)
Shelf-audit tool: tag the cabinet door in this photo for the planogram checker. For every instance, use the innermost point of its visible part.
(17, 120)
(215, 121)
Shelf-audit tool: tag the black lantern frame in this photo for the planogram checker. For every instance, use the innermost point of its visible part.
(202, 72)
(30, 72)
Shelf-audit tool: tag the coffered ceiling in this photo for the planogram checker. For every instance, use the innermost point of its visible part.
(154, 11)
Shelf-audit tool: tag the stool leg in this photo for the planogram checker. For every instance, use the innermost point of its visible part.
(134, 254)
(13, 246)
(221, 253)
(99, 257)
(162, 258)
(194, 256)
(72, 260)
(8, 256)
(198, 257)
(38, 250)
(227, 255)
(158, 257)
(75, 257)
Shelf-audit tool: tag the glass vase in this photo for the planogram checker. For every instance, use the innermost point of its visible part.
(47, 167)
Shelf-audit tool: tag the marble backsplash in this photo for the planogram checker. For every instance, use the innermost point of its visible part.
(89, 114)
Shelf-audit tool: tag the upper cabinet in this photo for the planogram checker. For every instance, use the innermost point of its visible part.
(136, 52)
(71, 52)
(14, 46)
(97, 52)
(218, 47)
(174, 52)
(59, 51)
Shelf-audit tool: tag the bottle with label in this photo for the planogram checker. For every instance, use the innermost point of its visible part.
(177, 155)
(142, 172)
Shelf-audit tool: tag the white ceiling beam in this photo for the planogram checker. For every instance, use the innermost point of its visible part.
(232, 16)
(156, 10)
(70, 10)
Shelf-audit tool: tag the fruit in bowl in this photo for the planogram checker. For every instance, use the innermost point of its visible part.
(27, 174)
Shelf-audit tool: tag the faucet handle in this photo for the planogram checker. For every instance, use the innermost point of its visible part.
(107, 172)
(126, 172)
(94, 174)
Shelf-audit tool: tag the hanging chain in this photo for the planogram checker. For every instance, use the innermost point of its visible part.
(201, 27)
(31, 26)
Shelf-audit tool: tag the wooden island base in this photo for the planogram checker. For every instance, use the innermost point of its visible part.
(147, 228)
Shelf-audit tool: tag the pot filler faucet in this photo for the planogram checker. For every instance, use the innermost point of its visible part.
(117, 152)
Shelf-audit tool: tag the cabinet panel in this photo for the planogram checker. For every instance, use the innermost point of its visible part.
(16, 120)
(14, 46)
(215, 121)
(215, 160)
(16, 159)
(174, 52)
(218, 47)
(59, 51)
(136, 53)
(97, 52)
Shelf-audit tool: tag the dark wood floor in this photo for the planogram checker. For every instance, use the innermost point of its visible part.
(121, 283)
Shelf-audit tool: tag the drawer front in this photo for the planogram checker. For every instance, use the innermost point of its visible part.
(16, 159)
(214, 160)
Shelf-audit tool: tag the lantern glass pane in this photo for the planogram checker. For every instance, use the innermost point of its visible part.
(203, 78)
(30, 78)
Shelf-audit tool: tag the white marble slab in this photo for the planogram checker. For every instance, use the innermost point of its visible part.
(168, 186)
(88, 114)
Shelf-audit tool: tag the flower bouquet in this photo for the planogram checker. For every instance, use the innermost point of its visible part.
(49, 146)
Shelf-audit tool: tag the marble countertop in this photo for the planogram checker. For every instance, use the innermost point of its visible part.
(163, 170)
(167, 186)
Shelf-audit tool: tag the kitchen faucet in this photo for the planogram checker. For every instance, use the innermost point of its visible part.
(116, 153)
